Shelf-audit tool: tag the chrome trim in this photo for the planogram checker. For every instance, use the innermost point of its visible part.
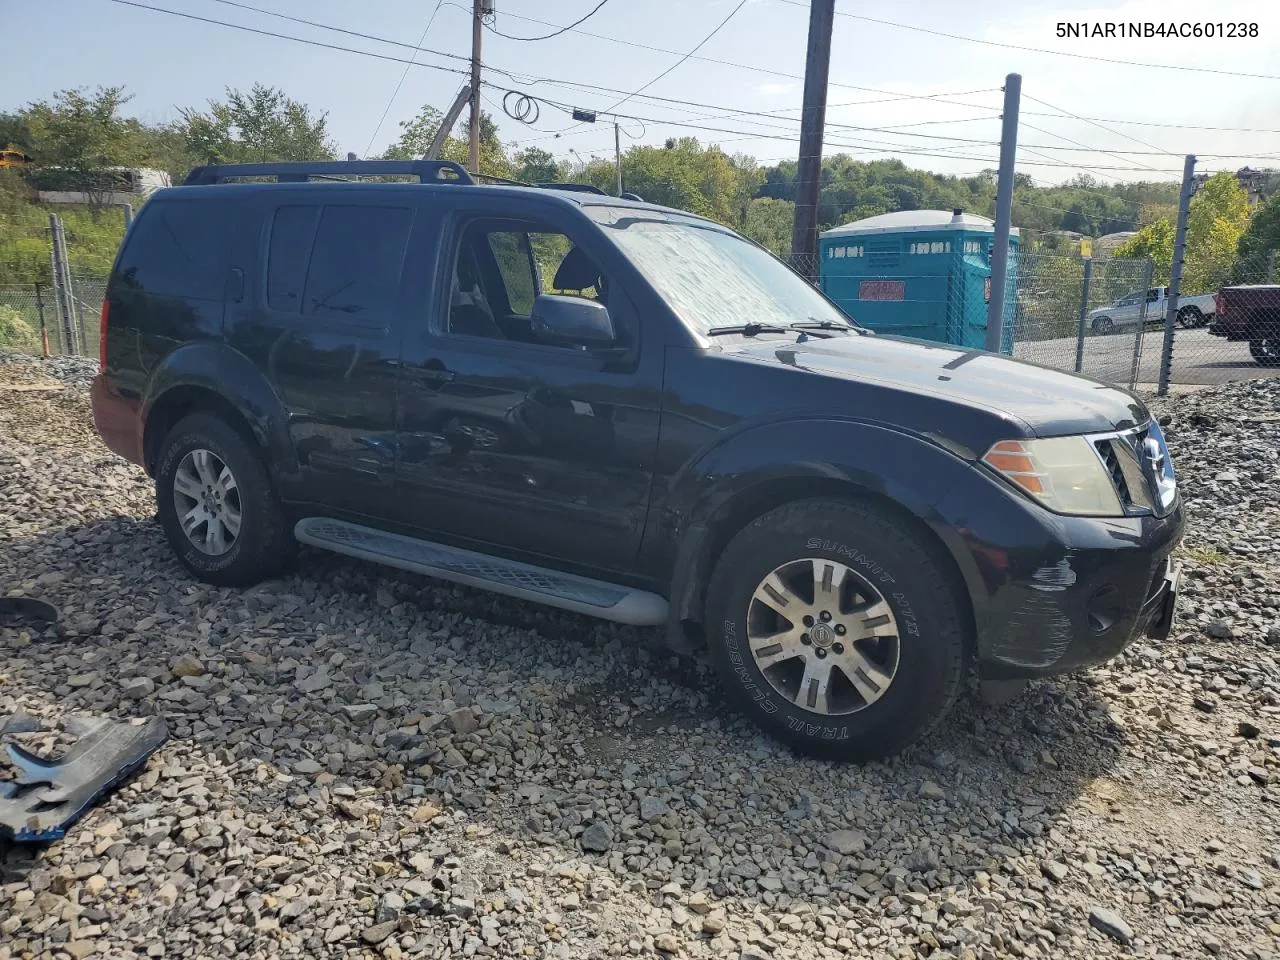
(1137, 444)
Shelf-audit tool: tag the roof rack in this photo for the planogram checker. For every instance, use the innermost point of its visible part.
(427, 171)
(575, 187)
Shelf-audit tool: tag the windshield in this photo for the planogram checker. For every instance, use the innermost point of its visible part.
(712, 278)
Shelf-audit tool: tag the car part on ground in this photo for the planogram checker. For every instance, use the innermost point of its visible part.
(20, 611)
(49, 796)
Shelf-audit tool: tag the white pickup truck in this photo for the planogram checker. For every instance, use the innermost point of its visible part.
(1128, 311)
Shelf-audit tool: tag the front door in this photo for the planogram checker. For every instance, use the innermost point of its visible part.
(318, 317)
(512, 442)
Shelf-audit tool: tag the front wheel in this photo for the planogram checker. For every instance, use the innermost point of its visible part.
(836, 630)
(217, 505)
(1266, 352)
(1103, 325)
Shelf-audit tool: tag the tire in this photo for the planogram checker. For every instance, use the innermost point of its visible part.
(1266, 352)
(1190, 317)
(1103, 325)
(262, 545)
(869, 548)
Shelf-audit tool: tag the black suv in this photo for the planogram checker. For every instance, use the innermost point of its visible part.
(630, 412)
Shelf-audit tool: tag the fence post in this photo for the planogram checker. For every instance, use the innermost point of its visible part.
(1004, 212)
(61, 293)
(1175, 277)
(44, 331)
(1148, 273)
(1084, 309)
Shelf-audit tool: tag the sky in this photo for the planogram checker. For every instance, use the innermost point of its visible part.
(933, 101)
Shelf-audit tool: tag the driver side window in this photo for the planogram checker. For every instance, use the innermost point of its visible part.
(500, 269)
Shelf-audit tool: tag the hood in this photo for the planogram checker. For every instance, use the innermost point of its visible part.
(1049, 402)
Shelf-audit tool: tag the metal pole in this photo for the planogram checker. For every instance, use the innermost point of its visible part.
(1148, 273)
(1175, 277)
(1084, 310)
(477, 12)
(804, 235)
(128, 216)
(1004, 211)
(446, 125)
(617, 156)
(44, 330)
(78, 346)
(61, 294)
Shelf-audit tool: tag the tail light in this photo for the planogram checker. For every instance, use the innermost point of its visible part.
(102, 335)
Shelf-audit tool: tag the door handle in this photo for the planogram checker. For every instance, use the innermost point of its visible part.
(435, 370)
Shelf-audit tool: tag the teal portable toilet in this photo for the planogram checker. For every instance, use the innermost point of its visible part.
(919, 273)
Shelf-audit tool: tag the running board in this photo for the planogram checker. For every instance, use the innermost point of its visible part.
(595, 598)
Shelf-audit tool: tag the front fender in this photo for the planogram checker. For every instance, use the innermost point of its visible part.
(227, 374)
(758, 468)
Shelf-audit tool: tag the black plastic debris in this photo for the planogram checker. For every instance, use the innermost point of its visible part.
(26, 611)
(50, 795)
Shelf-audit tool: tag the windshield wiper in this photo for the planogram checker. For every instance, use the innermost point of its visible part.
(813, 324)
(748, 329)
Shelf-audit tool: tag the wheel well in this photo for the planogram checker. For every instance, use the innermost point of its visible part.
(175, 404)
(725, 524)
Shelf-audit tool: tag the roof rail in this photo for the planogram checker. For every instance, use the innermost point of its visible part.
(427, 171)
(576, 187)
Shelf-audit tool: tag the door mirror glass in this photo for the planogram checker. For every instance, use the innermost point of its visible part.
(572, 320)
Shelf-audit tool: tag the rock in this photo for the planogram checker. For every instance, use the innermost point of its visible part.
(923, 859)
(931, 791)
(666, 943)
(360, 711)
(1057, 872)
(1273, 636)
(699, 903)
(337, 932)
(597, 838)
(651, 808)
(1110, 923)
(378, 932)
(845, 842)
(79, 949)
(1204, 704)
(1203, 898)
(187, 666)
(1219, 630)
(137, 687)
(314, 682)
(1248, 729)
(20, 722)
(425, 813)
(390, 905)
(1259, 775)
(463, 721)
(307, 766)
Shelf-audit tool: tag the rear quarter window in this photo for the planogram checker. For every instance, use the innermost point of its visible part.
(178, 248)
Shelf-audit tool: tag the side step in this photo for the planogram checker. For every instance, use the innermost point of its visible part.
(596, 598)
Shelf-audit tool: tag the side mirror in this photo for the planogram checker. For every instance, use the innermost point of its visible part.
(572, 320)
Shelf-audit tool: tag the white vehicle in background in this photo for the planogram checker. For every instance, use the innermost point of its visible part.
(1135, 308)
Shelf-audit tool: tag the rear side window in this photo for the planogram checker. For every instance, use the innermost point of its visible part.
(292, 231)
(337, 262)
(178, 248)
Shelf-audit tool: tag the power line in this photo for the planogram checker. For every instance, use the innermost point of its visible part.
(682, 60)
(1054, 53)
(1114, 133)
(554, 33)
(400, 83)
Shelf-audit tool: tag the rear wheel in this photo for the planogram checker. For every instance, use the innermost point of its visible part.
(836, 630)
(217, 506)
(1103, 325)
(1266, 351)
(1190, 317)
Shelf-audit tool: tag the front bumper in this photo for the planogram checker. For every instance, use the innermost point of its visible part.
(1052, 594)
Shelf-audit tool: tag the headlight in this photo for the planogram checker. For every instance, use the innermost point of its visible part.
(1063, 473)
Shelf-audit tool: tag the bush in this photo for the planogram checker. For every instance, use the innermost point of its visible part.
(16, 333)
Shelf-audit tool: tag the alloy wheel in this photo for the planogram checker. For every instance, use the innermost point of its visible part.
(823, 636)
(207, 502)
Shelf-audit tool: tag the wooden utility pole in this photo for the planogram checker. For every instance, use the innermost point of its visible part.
(477, 13)
(804, 237)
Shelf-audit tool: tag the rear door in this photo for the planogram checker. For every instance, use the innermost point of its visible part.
(318, 316)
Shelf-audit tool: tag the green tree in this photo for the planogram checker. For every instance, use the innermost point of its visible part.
(1154, 241)
(77, 135)
(416, 136)
(769, 223)
(1263, 234)
(534, 165)
(261, 125)
(1218, 218)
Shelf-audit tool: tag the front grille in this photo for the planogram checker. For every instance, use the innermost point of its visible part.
(1112, 463)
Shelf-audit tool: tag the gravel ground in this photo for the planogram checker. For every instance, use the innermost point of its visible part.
(372, 764)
